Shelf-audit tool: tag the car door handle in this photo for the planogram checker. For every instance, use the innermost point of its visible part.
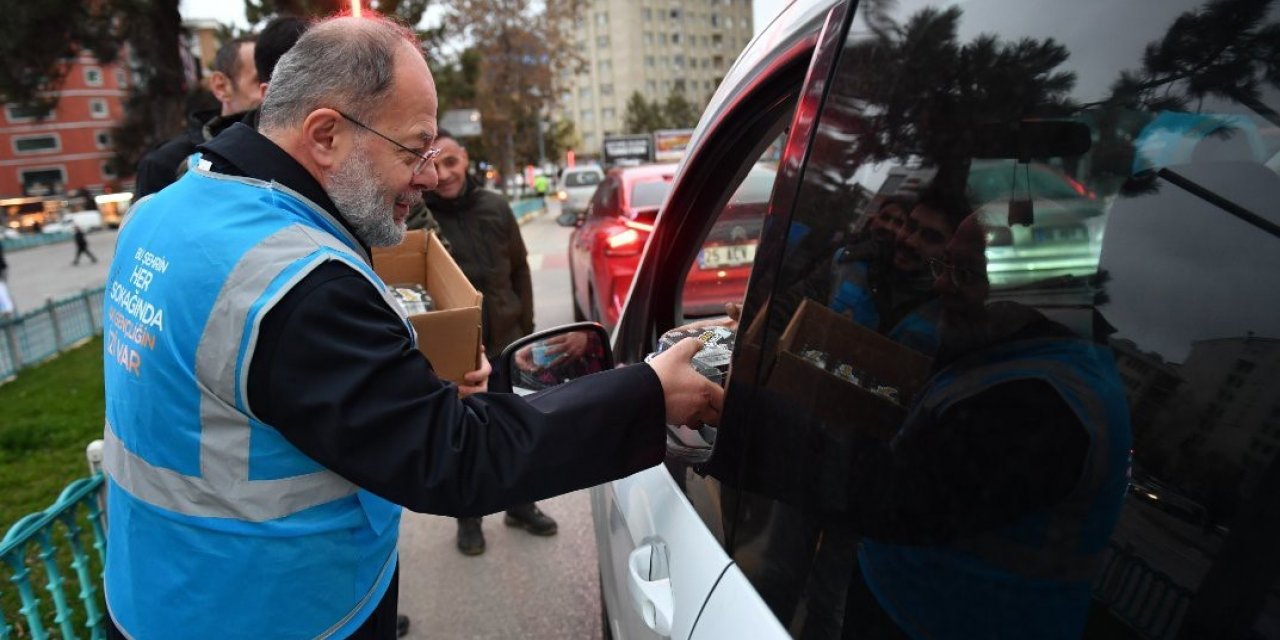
(650, 585)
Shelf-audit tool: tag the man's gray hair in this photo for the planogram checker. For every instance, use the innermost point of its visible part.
(342, 63)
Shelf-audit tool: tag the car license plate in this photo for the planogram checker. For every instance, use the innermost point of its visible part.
(733, 255)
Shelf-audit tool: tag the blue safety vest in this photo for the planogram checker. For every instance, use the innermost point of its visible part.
(850, 296)
(1032, 578)
(218, 526)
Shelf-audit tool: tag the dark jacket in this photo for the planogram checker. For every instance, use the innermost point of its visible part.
(484, 239)
(336, 372)
(164, 164)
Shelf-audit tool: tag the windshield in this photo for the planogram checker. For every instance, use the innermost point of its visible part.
(581, 179)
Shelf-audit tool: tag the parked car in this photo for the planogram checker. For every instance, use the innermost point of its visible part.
(606, 246)
(758, 527)
(576, 186)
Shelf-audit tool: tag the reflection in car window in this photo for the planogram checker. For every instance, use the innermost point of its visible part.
(1018, 371)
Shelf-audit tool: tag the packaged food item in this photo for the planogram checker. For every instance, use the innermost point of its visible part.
(815, 357)
(413, 297)
(712, 361)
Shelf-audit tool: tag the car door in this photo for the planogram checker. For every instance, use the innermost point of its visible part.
(1129, 214)
(660, 532)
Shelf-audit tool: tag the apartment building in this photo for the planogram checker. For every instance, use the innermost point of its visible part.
(69, 148)
(654, 47)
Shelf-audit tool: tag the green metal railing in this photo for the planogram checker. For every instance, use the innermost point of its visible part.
(34, 559)
(46, 331)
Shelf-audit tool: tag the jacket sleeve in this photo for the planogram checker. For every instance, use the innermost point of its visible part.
(521, 278)
(336, 373)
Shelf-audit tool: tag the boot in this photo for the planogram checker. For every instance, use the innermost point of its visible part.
(529, 518)
(470, 537)
(402, 625)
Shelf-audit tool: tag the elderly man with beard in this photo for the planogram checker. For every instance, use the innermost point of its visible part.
(268, 411)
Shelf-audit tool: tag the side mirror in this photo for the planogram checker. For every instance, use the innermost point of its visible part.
(551, 358)
(567, 219)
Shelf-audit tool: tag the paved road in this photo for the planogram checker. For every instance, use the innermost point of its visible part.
(37, 274)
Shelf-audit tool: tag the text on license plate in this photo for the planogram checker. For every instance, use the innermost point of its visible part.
(733, 255)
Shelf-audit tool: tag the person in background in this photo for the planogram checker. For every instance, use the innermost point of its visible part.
(82, 246)
(234, 83)
(484, 239)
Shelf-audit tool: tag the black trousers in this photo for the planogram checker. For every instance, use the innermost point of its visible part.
(381, 624)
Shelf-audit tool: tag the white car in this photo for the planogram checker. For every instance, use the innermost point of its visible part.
(576, 186)
(810, 511)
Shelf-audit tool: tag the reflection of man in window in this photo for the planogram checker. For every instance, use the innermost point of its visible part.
(987, 514)
(890, 290)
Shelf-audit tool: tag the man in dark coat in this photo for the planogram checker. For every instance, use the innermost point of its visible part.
(484, 239)
(234, 83)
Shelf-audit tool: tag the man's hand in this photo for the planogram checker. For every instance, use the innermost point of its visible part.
(690, 399)
(477, 381)
(731, 309)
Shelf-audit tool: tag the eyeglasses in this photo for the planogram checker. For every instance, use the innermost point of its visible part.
(423, 158)
(960, 276)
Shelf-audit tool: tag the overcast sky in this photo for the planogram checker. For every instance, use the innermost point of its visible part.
(232, 11)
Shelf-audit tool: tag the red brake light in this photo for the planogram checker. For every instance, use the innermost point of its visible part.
(623, 241)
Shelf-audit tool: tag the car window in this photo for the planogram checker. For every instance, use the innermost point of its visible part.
(604, 200)
(720, 273)
(581, 178)
(646, 195)
(1017, 373)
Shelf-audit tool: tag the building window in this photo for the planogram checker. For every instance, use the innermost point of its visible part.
(604, 67)
(602, 41)
(648, 61)
(716, 40)
(651, 86)
(108, 172)
(728, 22)
(648, 37)
(98, 108)
(648, 15)
(42, 181)
(602, 18)
(606, 89)
(715, 20)
(37, 144)
(675, 13)
(587, 115)
(589, 140)
(16, 113)
(662, 38)
(678, 61)
(608, 114)
(93, 76)
(102, 139)
(675, 38)
(121, 81)
(717, 61)
(584, 93)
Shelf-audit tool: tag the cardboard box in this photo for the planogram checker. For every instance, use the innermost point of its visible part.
(450, 335)
(836, 400)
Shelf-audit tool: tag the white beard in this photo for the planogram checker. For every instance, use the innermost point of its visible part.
(362, 199)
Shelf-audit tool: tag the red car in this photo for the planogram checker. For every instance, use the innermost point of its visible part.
(605, 248)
